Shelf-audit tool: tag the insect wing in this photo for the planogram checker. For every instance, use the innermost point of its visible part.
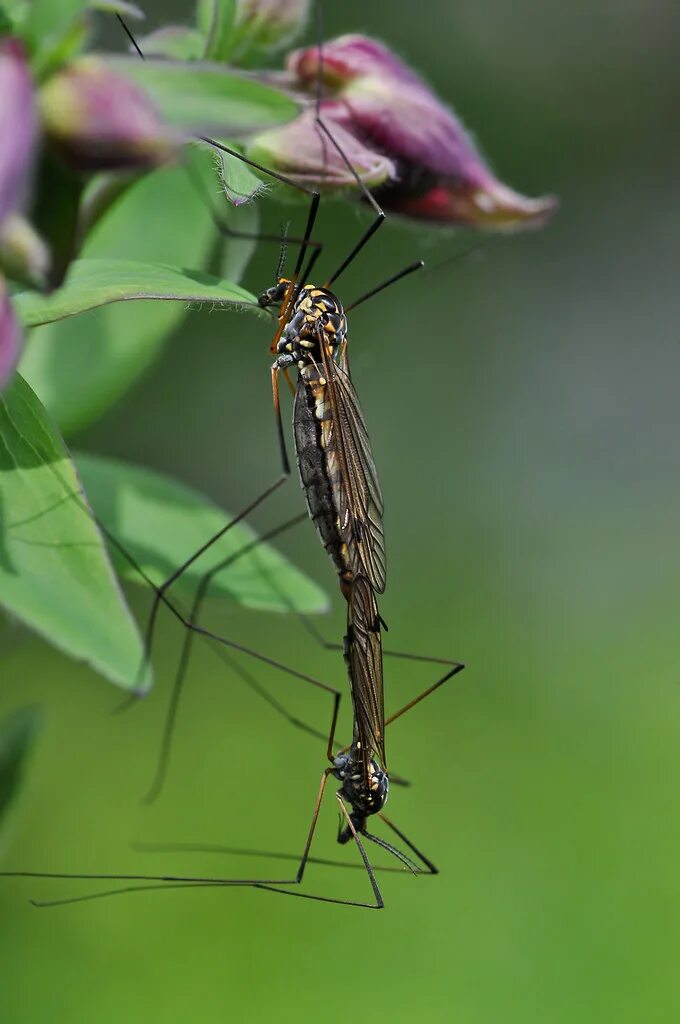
(364, 662)
(358, 497)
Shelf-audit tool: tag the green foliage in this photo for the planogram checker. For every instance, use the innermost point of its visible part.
(239, 183)
(162, 523)
(55, 32)
(216, 20)
(151, 239)
(238, 252)
(95, 283)
(55, 574)
(80, 366)
(175, 41)
(207, 98)
(122, 7)
(17, 732)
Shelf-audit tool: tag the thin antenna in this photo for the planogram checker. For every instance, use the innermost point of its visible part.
(130, 36)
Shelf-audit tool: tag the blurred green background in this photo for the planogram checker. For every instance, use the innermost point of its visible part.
(524, 412)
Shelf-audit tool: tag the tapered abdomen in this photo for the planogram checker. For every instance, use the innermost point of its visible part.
(319, 474)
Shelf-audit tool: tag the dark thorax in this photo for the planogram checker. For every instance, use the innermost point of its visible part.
(366, 793)
(314, 316)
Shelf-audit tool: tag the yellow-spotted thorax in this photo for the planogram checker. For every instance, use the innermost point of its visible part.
(315, 310)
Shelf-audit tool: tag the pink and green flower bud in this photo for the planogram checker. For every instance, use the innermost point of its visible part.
(441, 175)
(262, 27)
(301, 151)
(18, 126)
(11, 337)
(99, 120)
(24, 255)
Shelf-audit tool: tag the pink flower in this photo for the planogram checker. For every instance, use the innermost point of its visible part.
(10, 337)
(441, 175)
(101, 120)
(18, 126)
(19, 134)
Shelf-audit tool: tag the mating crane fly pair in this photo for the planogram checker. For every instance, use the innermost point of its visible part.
(344, 501)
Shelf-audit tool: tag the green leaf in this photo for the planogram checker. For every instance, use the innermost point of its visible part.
(12, 16)
(174, 41)
(55, 30)
(207, 98)
(55, 575)
(79, 367)
(238, 252)
(94, 283)
(161, 523)
(122, 7)
(50, 18)
(17, 732)
(239, 183)
(217, 18)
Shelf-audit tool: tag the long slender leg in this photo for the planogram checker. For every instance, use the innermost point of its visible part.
(161, 590)
(217, 648)
(221, 641)
(180, 675)
(430, 868)
(306, 241)
(410, 269)
(182, 880)
(326, 133)
(150, 882)
(454, 667)
(280, 433)
(376, 223)
(454, 670)
(379, 902)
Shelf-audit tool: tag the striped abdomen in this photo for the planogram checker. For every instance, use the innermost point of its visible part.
(318, 464)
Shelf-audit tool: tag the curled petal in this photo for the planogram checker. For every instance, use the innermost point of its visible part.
(18, 125)
(301, 150)
(493, 206)
(349, 57)
(102, 121)
(386, 102)
(11, 337)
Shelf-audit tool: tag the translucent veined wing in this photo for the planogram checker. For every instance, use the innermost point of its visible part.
(357, 494)
(364, 664)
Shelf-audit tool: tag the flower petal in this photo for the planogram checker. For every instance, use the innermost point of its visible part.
(301, 150)
(11, 337)
(493, 205)
(18, 125)
(348, 57)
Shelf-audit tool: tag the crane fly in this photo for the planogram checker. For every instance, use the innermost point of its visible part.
(345, 502)
(334, 455)
(336, 466)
